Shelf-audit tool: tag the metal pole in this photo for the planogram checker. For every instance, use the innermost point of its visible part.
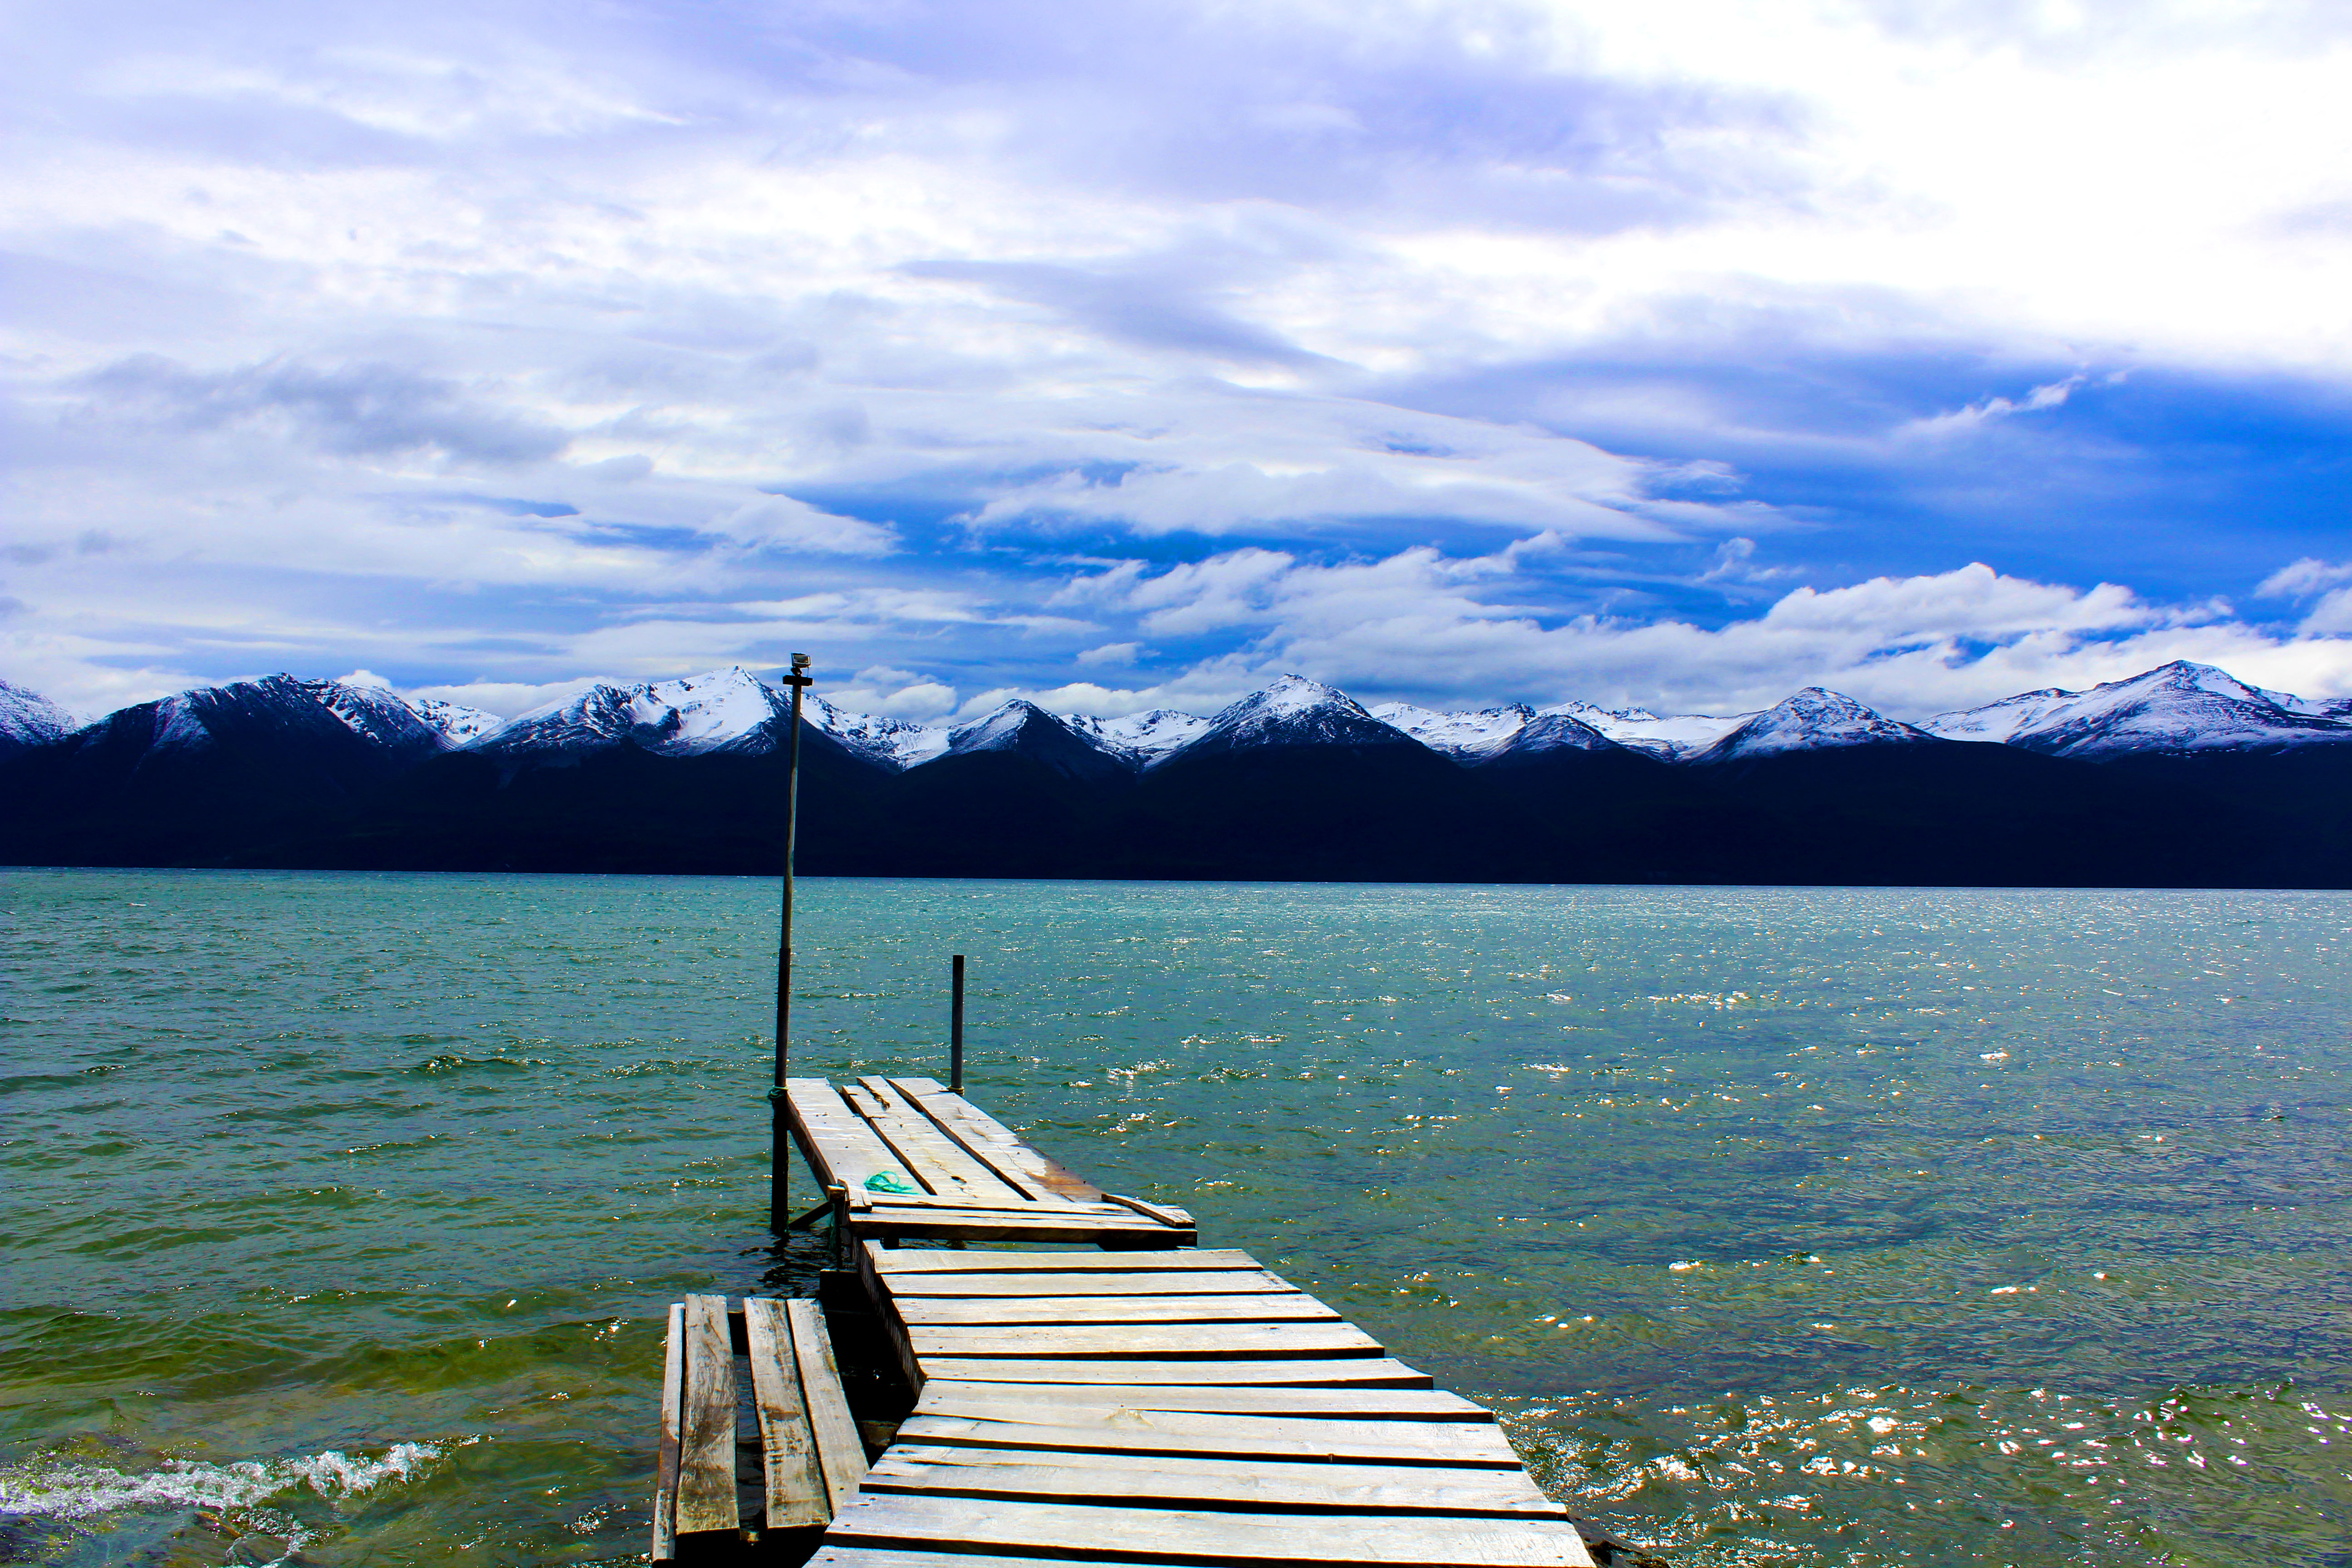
(780, 1176)
(955, 1028)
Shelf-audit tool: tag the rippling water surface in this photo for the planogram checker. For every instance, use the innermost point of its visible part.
(1785, 1226)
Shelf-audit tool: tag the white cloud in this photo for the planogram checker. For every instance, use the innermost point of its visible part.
(2051, 394)
(783, 523)
(1417, 624)
(2305, 578)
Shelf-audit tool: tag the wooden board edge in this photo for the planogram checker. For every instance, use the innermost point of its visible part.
(1207, 1259)
(870, 1258)
(673, 1399)
(840, 1450)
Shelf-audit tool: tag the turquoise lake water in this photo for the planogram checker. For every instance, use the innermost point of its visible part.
(1802, 1226)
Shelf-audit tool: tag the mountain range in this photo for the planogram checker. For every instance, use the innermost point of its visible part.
(2181, 775)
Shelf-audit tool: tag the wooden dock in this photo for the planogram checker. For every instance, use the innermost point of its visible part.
(903, 1158)
(1151, 1403)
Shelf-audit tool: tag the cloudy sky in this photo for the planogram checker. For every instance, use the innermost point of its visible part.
(1680, 353)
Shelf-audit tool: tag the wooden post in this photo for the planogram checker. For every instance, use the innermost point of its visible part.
(780, 1170)
(955, 1027)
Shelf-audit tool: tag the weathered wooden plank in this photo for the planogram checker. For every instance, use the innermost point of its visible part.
(1013, 1157)
(1183, 1535)
(841, 1147)
(1186, 1259)
(898, 1557)
(945, 1165)
(841, 1452)
(1028, 1224)
(1039, 1219)
(1140, 1282)
(795, 1486)
(1155, 1340)
(1085, 1403)
(706, 1474)
(1166, 1214)
(1329, 1371)
(1456, 1443)
(673, 1394)
(1050, 1206)
(1147, 1480)
(1287, 1306)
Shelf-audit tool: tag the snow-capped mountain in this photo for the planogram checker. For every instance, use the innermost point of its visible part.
(2177, 709)
(1293, 711)
(893, 743)
(379, 714)
(1543, 733)
(286, 772)
(1024, 728)
(722, 710)
(1147, 737)
(388, 722)
(1672, 737)
(1475, 733)
(27, 719)
(462, 724)
(1813, 720)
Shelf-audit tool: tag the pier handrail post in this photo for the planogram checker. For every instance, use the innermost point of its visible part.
(955, 1025)
(780, 1176)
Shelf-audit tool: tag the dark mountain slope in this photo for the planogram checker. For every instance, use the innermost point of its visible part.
(620, 808)
(1956, 813)
(997, 813)
(1607, 813)
(1386, 812)
(194, 779)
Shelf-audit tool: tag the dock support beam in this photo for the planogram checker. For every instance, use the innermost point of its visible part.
(955, 1025)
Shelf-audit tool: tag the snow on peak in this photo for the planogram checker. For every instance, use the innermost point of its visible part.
(28, 719)
(1147, 737)
(1545, 732)
(893, 743)
(708, 712)
(462, 724)
(998, 731)
(1815, 718)
(1672, 738)
(1457, 734)
(1020, 725)
(1296, 711)
(379, 714)
(720, 711)
(2177, 708)
(1294, 694)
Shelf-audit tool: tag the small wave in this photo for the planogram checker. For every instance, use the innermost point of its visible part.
(656, 1067)
(70, 1489)
(461, 1064)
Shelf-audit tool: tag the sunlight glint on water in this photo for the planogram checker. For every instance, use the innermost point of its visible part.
(1786, 1225)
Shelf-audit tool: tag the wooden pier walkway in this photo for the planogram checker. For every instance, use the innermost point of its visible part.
(1152, 1402)
(905, 1158)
